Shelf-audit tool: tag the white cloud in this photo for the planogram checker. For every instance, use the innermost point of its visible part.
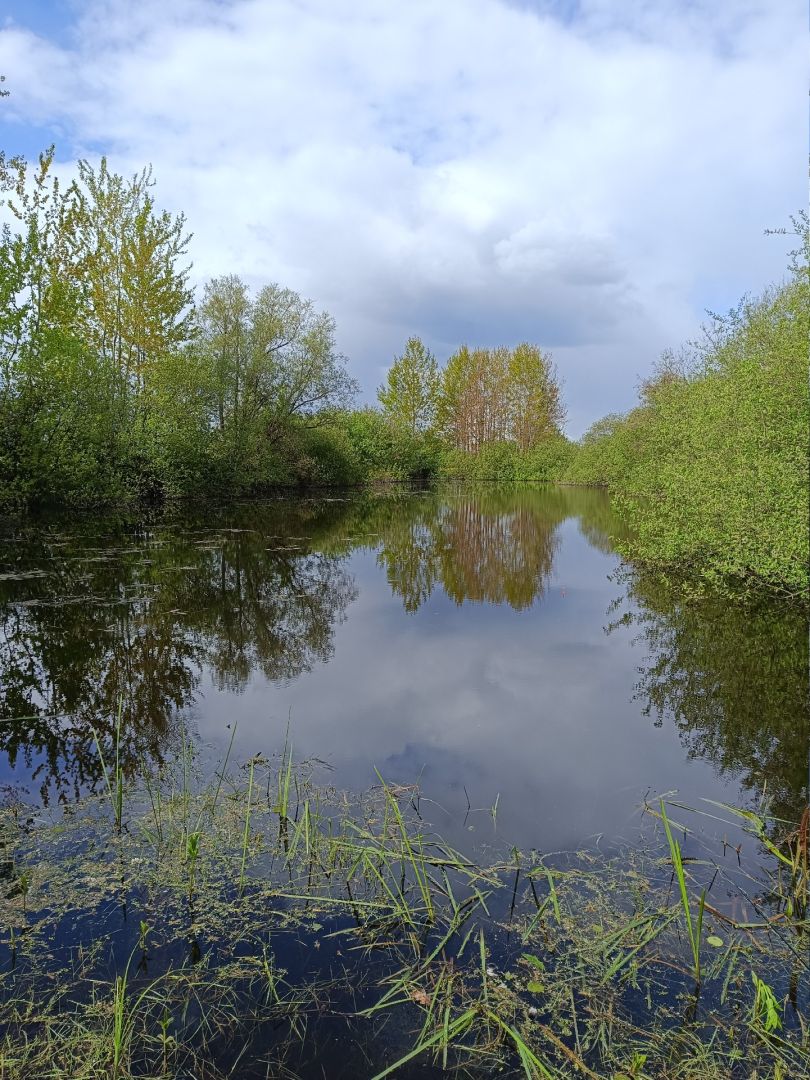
(587, 175)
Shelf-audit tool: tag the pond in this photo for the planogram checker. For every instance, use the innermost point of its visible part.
(297, 787)
(487, 642)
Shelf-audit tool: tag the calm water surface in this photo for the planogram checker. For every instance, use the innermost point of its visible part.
(487, 643)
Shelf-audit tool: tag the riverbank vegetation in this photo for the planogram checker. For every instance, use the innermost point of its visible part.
(118, 384)
(263, 923)
(711, 468)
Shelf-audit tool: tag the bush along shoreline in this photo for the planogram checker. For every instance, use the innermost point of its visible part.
(710, 470)
(260, 924)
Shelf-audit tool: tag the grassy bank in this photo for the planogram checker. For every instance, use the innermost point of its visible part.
(261, 924)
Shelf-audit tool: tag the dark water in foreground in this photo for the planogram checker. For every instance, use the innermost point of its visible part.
(487, 643)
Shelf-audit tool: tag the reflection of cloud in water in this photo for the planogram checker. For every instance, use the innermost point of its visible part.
(460, 636)
(533, 706)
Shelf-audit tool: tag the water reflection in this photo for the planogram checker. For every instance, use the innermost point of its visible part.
(258, 608)
(134, 616)
(489, 545)
(465, 629)
(81, 631)
(734, 682)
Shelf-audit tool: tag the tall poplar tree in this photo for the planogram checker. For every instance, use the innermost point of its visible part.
(137, 303)
(224, 321)
(410, 394)
(500, 395)
(533, 397)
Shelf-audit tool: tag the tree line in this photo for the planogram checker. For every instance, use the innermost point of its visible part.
(116, 381)
(482, 396)
(710, 469)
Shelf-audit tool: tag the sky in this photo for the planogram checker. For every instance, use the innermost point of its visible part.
(589, 175)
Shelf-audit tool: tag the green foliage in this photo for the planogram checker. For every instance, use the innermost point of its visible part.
(270, 359)
(499, 395)
(711, 471)
(93, 304)
(766, 1008)
(410, 395)
(385, 452)
(604, 452)
(134, 303)
(505, 462)
(322, 457)
(114, 387)
(374, 440)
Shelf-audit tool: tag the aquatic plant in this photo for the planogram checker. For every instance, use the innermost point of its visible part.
(356, 913)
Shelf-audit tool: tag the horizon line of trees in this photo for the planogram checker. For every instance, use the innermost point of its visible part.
(116, 381)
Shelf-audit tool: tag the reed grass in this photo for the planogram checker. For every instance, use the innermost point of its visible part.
(545, 966)
(115, 782)
(246, 832)
(694, 927)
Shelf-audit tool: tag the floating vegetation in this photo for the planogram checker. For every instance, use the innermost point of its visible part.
(262, 924)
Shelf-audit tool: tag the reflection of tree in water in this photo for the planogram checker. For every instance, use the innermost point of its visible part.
(73, 643)
(598, 521)
(496, 555)
(274, 612)
(409, 551)
(137, 615)
(484, 545)
(134, 616)
(733, 679)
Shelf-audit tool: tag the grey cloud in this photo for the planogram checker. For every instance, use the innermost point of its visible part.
(590, 175)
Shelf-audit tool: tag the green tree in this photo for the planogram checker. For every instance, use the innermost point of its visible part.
(56, 430)
(137, 304)
(410, 395)
(296, 371)
(272, 361)
(500, 395)
(460, 409)
(94, 301)
(533, 396)
(224, 321)
(711, 468)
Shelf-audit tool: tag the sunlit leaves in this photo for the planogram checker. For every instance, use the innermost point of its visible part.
(410, 395)
(711, 469)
